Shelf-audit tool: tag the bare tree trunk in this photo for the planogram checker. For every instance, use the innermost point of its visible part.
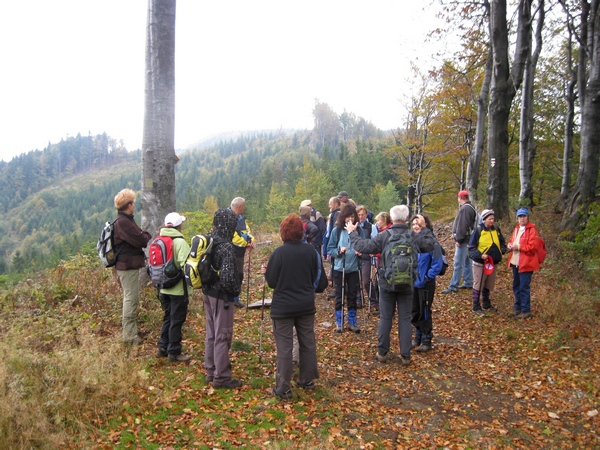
(567, 172)
(585, 191)
(505, 82)
(475, 156)
(526, 141)
(158, 144)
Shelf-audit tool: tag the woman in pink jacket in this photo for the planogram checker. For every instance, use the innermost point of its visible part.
(524, 261)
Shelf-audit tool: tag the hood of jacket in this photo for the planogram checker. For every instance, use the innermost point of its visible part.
(224, 224)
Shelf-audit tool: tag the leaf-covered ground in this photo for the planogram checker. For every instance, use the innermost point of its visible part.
(489, 382)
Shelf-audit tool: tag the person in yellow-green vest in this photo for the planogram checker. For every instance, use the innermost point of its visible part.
(174, 300)
(242, 239)
(487, 245)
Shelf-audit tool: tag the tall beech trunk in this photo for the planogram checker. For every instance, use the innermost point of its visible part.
(585, 190)
(505, 83)
(158, 144)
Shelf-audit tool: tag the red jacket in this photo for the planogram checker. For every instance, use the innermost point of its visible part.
(528, 244)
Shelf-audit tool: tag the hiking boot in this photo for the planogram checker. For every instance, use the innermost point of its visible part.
(462, 286)
(381, 358)
(331, 295)
(423, 348)
(375, 311)
(179, 358)
(404, 361)
(161, 353)
(449, 291)
(284, 395)
(525, 315)
(209, 379)
(415, 343)
(479, 311)
(338, 329)
(231, 384)
(135, 341)
(514, 314)
(490, 308)
(354, 329)
(308, 386)
(238, 304)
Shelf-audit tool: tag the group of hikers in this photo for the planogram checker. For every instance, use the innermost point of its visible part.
(403, 250)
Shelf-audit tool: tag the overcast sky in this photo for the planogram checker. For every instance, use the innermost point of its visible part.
(77, 66)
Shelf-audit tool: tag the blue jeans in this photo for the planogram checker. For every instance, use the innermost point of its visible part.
(462, 267)
(389, 302)
(522, 290)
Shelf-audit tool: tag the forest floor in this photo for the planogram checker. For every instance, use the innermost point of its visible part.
(489, 382)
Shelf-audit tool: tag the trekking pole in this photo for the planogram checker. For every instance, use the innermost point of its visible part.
(343, 286)
(248, 288)
(480, 286)
(362, 297)
(262, 321)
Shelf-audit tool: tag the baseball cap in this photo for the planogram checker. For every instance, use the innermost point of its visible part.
(463, 194)
(173, 220)
(342, 194)
(305, 203)
(522, 212)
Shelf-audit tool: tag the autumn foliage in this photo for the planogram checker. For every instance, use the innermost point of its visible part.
(489, 382)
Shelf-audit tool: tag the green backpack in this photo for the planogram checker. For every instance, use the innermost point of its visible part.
(399, 260)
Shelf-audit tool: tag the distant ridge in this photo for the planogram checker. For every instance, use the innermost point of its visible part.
(233, 135)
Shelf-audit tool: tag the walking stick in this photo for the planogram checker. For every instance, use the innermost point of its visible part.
(343, 286)
(362, 296)
(262, 321)
(370, 288)
(248, 288)
(480, 286)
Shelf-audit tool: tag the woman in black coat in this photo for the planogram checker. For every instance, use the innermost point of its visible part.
(292, 271)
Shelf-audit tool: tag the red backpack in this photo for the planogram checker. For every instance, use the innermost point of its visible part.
(162, 269)
(541, 249)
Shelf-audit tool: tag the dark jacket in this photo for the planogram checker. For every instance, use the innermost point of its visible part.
(424, 241)
(129, 242)
(483, 235)
(292, 272)
(367, 228)
(229, 284)
(312, 233)
(463, 224)
(330, 226)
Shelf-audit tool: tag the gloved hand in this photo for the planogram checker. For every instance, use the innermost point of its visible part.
(245, 236)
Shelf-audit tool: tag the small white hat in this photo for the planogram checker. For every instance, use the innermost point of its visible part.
(173, 220)
(306, 203)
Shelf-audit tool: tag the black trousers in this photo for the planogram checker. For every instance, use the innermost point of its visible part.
(175, 309)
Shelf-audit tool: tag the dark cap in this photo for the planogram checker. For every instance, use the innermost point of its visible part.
(342, 194)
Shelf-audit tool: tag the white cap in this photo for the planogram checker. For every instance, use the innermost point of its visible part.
(306, 203)
(173, 220)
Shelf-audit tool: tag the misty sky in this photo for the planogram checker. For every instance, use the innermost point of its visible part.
(77, 66)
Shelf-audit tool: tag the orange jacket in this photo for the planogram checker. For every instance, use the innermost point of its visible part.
(528, 244)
